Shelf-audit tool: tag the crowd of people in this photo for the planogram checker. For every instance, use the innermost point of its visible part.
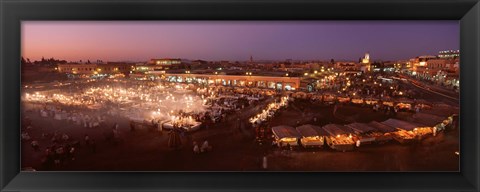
(58, 148)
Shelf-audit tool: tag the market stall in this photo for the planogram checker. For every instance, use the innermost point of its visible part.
(269, 111)
(387, 131)
(357, 100)
(329, 98)
(364, 134)
(309, 136)
(404, 104)
(371, 101)
(437, 123)
(343, 99)
(300, 95)
(405, 130)
(422, 104)
(387, 101)
(285, 135)
(339, 139)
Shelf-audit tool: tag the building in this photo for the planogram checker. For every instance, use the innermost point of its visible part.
(165, 61)
(402, 65)
(160, 65)
(272, 82)
(449, 54)
(366, 58)
(444, 71)
(93, 70)
(366, 64)
(222, 79)
(347, 66)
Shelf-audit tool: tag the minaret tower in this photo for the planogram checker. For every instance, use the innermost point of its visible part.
(366, 61)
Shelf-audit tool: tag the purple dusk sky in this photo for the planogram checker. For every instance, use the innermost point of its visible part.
(236, 40)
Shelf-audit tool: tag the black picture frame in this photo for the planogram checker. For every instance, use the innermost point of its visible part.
(12, 12)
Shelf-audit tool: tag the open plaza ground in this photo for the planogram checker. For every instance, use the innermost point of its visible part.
(234, 142)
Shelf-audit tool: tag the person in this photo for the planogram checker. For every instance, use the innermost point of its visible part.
(132, 126)
(154, 125)
(93, 146)
(274, 143)
(87, 140)
(65, 137)
(35, 145)
(25, 136)
(205, 146)
(48, 151)
(59, 155)
(196, 149)
(264, 164)
(115, 132)
(54, 139)
(71, 153)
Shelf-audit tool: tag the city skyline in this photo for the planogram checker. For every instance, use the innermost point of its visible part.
(237, 40)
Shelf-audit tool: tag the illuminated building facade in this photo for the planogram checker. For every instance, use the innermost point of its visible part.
(441, 70)
(366, 65)
(88, 70)
(449, 54)
(165, 61)
(366, 58)
(269, 82)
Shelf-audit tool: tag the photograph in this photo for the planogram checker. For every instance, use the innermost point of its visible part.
(240, 96)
